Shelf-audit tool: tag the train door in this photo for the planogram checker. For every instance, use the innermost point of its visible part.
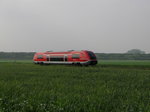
(65, 58)
(48, 57)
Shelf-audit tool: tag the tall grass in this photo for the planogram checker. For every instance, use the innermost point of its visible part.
(26, 87)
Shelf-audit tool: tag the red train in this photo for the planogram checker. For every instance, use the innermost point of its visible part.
(71, 57)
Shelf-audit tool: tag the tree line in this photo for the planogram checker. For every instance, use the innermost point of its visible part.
(100, 56)
(123, 56)
(16, 55)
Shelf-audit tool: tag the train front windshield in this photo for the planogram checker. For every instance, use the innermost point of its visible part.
(91, 55)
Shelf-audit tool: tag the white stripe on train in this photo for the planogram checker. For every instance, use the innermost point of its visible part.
(60, 62)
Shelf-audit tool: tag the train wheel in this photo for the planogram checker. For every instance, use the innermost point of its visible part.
(41, 63)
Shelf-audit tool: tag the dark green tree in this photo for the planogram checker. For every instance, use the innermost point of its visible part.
(135, 51)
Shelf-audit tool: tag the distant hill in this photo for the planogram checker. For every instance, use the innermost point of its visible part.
(100, 56)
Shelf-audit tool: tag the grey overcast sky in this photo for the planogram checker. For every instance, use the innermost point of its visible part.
(59, 25)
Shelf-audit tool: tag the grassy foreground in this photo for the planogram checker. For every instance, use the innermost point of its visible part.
(107, 87)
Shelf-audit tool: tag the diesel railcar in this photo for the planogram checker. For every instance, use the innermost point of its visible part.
(83, 57)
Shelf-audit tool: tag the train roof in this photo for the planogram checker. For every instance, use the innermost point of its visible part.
(65, 52)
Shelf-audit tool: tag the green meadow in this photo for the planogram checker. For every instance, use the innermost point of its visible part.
(110, 86)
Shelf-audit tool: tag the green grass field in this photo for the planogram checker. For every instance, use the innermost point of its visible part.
(110, 86)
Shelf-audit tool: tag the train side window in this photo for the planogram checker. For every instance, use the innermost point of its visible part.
(83, 55)
(40, 56)
(76, 56)
(57, 58)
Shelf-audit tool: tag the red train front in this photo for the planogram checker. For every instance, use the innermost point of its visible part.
(71, 57)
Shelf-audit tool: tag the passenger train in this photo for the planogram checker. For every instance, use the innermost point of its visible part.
(83, 57)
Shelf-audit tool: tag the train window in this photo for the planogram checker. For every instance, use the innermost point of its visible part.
(83, 55)
(57, 58)
(76, 56)
(40, 56)
(92, 56)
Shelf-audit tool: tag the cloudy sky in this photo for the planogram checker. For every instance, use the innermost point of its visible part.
(60, 25)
